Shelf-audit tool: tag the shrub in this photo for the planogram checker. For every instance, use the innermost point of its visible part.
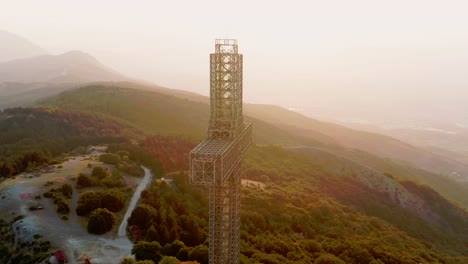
(312, 246)
(173, 248)
(152, 235)
(147, 251)
(183, 254)
(114, 181)
(87, 202)
(200, 254)
(169, 260)
(143, 215)
(66, 190)
(83, 181)
(110, 158)
(100, 172)
(62, 208)
(113, 201)
(100, 221)
(48, 195)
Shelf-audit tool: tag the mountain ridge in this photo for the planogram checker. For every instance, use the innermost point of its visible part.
(169, 115)
(14, 47)
(73, 66)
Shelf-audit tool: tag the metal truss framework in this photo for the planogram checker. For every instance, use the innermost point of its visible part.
(217, 161)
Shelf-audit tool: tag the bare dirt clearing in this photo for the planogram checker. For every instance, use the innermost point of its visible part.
(70, 235)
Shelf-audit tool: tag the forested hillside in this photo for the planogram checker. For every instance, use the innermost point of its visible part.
(31, 138)
(299, 209)
(304, 205)
(166, 114)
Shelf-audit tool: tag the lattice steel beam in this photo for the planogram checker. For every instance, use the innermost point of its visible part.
(217, 161)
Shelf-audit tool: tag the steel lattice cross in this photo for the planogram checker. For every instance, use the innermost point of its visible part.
(217, 161)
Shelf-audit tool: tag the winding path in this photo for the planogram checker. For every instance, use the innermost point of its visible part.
(136, 196)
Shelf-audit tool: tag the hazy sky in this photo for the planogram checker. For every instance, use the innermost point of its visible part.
(360, 55)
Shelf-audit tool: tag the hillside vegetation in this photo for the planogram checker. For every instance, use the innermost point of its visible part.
(187, 115)
(309, 209)
(158, 113)
(313, 204)
(32, 138)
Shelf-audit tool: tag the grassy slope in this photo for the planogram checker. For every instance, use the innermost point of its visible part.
(159, 113)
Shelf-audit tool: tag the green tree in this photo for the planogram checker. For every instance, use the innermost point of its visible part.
(144, 250)
(62, 207)
(151, 234)
(312, 246)
(183, 254)
(164, 234)
(101, 221)
(143, 215)
(83, 181)
(87, 202)
(113, 200)
(100, 172)
(169, 260)
(173, 248)
(200, 254)
(66, 190)
(116, 180)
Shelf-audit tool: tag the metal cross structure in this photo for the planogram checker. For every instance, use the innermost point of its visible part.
(217, 161)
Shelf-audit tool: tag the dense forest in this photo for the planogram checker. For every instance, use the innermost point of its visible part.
(293, 218)
(34, 137)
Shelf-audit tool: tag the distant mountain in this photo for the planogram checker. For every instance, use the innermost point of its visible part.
(70, 67)
(445, 139)
(14, 47)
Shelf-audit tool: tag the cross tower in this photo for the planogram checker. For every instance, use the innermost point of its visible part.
(217, 161)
